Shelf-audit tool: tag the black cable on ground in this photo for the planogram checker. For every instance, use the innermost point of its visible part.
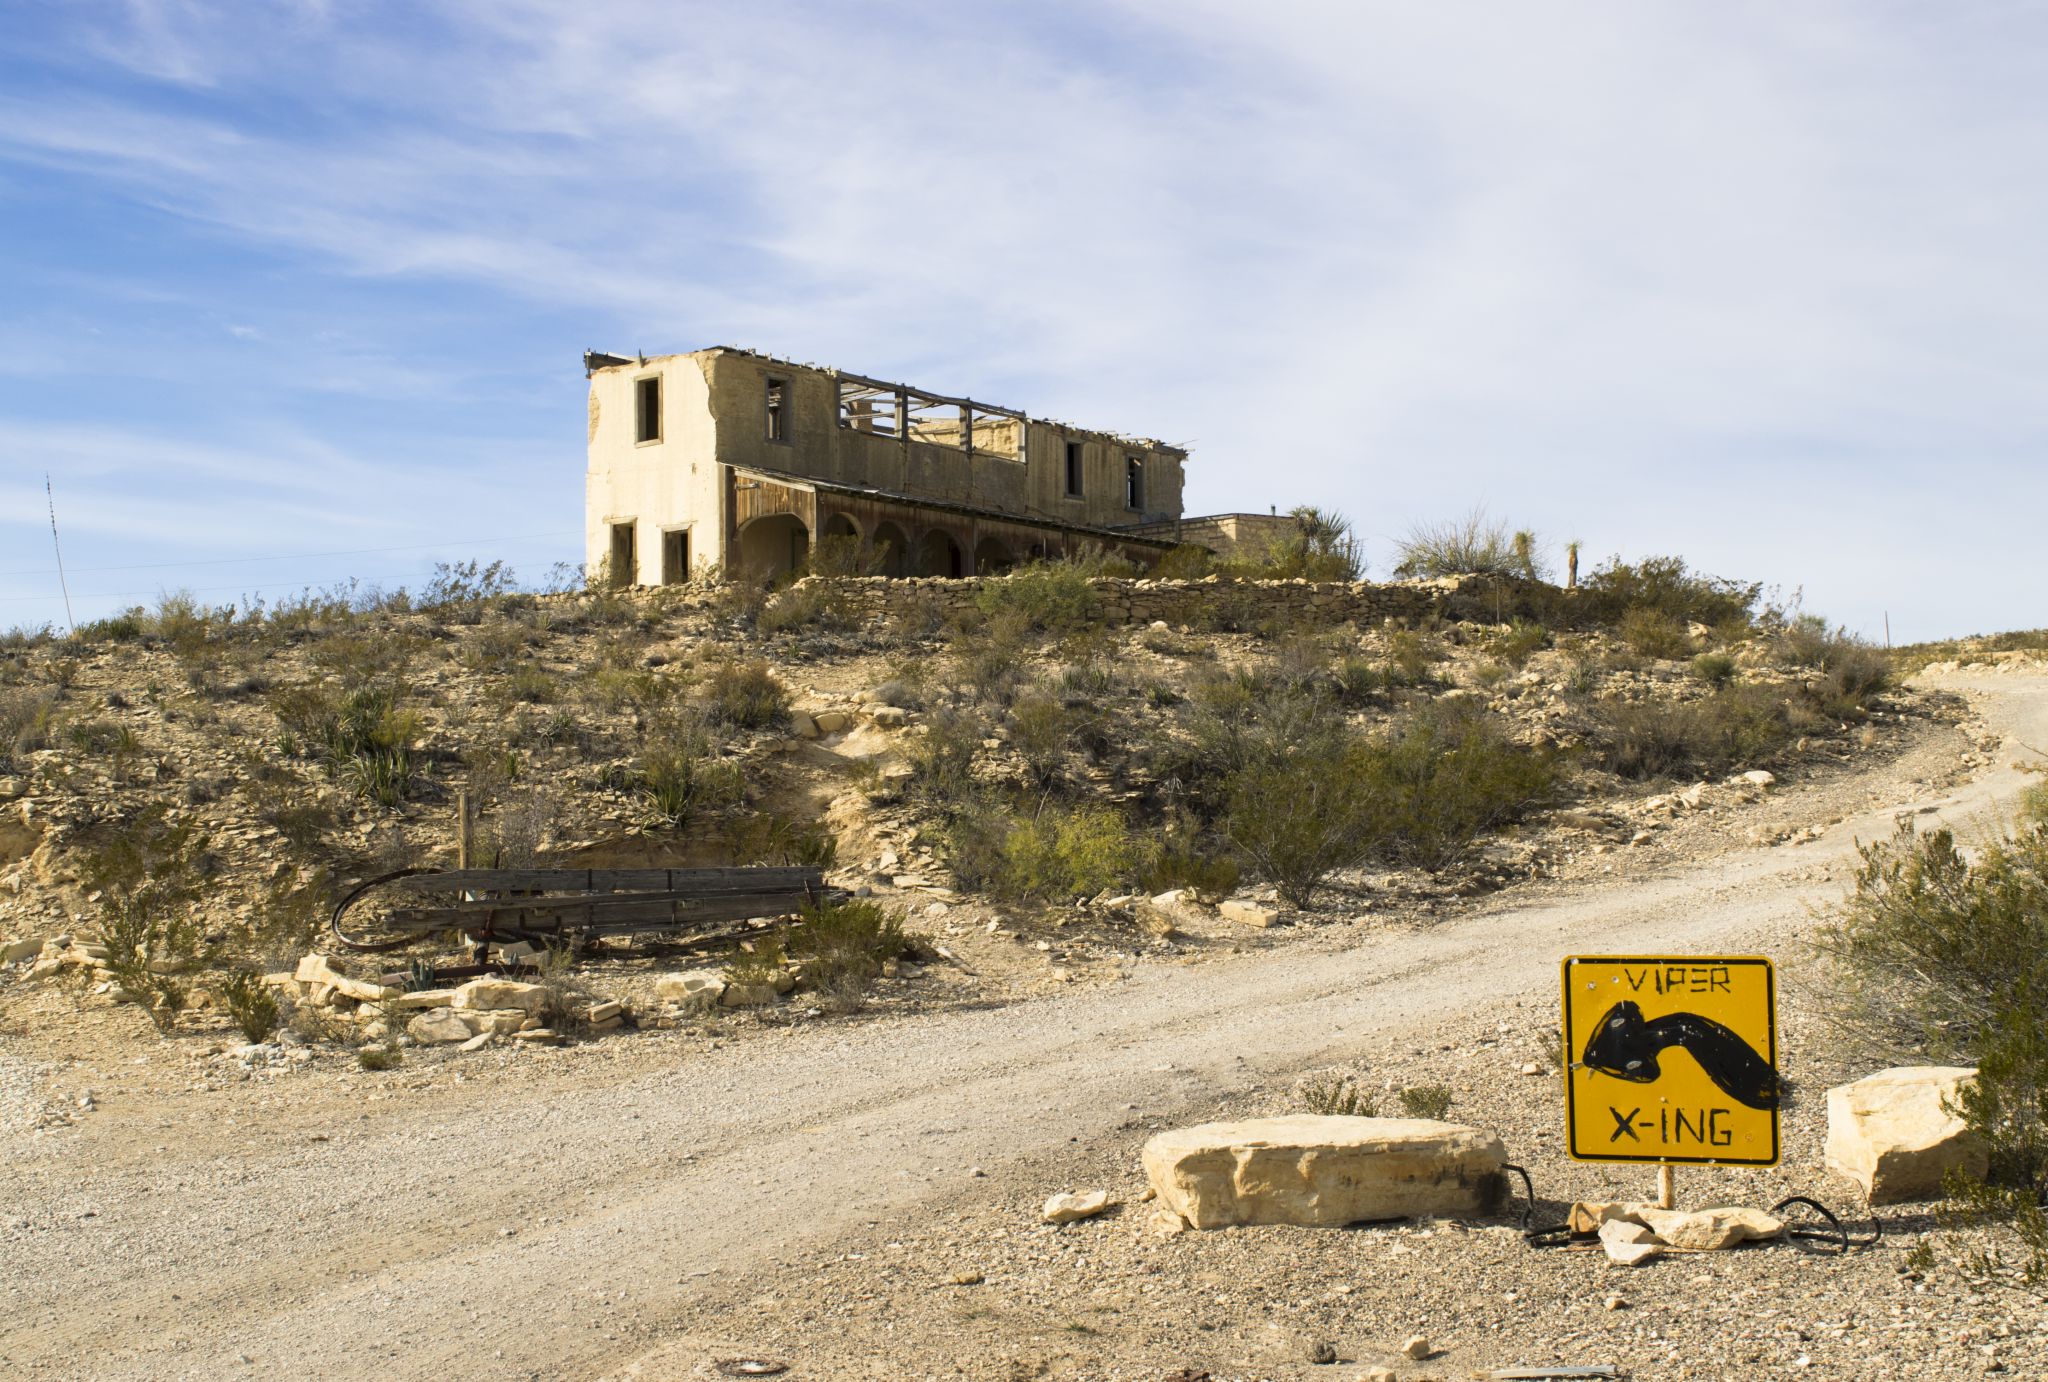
(1833, 1240)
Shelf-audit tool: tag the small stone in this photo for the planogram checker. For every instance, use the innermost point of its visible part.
(1615, 1303)
(889, 717)
(1067, 1208)
(1416, 1346)
(1248, 914)
(1321, 1351)
(964, 1279)
(1531, 1068)
(604, 1012)
(478, 1042)
(1378, 1375)
(1757, 777)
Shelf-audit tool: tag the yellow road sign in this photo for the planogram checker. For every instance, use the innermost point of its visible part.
(1671, 1058)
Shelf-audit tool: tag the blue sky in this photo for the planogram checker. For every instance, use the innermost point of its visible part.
(1755, 283)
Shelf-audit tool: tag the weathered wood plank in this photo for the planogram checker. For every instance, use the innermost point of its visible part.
(610, 880)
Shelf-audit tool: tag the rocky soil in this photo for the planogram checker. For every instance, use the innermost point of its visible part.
(859, 1196)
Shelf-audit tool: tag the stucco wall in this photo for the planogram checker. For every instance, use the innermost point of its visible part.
(656, 485)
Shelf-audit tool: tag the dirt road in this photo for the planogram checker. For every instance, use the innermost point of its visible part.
(576, 1222)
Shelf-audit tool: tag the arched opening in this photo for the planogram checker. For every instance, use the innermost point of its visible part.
(774, 546)
(938, 554)
(840, 525)
(990, 556)
(892, 549)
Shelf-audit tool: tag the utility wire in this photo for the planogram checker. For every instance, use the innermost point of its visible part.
(62, 585)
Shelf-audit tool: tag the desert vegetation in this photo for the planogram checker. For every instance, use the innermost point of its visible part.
(1943, 953)
(1044, 750)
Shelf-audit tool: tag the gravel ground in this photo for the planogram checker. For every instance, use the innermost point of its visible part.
(813, 1192)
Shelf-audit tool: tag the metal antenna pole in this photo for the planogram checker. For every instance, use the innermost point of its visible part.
(51, 495)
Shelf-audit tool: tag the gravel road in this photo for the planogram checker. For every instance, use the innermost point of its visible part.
(645, 1209)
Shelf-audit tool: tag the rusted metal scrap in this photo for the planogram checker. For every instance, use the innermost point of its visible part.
(504, 906)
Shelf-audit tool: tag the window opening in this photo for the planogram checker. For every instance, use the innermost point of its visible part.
(1073, 470)
(1134, 483)
(647, 409)
(625, 562)
(778, 419)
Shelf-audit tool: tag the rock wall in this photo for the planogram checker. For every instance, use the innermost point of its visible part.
(1219, 603)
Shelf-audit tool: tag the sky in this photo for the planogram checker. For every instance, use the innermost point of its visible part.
(293, 293)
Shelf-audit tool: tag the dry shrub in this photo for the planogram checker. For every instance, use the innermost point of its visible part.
(745, 695)
(1335, 1094)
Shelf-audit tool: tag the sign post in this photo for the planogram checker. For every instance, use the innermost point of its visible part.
(1671, 1060)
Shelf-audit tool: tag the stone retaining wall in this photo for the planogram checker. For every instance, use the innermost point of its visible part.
(1219, 603)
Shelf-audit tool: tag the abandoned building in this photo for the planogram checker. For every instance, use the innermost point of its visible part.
(740, 462)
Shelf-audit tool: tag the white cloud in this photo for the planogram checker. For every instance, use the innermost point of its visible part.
(1630, 272)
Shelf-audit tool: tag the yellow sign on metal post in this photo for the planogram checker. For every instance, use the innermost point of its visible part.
(1671, 1059)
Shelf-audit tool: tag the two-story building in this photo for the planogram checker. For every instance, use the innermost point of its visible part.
(740, 462)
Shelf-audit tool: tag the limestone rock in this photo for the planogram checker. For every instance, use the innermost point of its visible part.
(316, 973)
(749, 995)
(831, 721)
(1706, 1230)
(1629, 1243)
(1323, 1171)
(1084, 1204)
(802, 725)
(889, 716)
(687, 986)
(442, 1025)
(1416, 1346)
(10, 951)
(1248, 914)
(1892, 1134)
(492, 994)
(422, 998)
(1757, 777)
(604, 1012)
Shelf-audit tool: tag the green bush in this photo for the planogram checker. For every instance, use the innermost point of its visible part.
(1650, 632)
(681, 776)
(1852, 670)
(1663, 584)
(843, 554)
(1300, 818)
(376, 1058)
(767, 838)
(148, 874)
(808, 604)
(363, 736)
(992, 661)
(1042, 731)
(1336, 1095)
(745, 695)
(1442, 777)
(1737, 726)
(1426, 1101)
(1211, 871)
(941, 759)
(1066, 852)
(1052, 597)
(1943, 953)
(844, 945)
(1186, 562)
(250, 1003)
(1715, 669)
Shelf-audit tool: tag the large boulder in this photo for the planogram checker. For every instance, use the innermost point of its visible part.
(1323, 1171)
(1894, 1134)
